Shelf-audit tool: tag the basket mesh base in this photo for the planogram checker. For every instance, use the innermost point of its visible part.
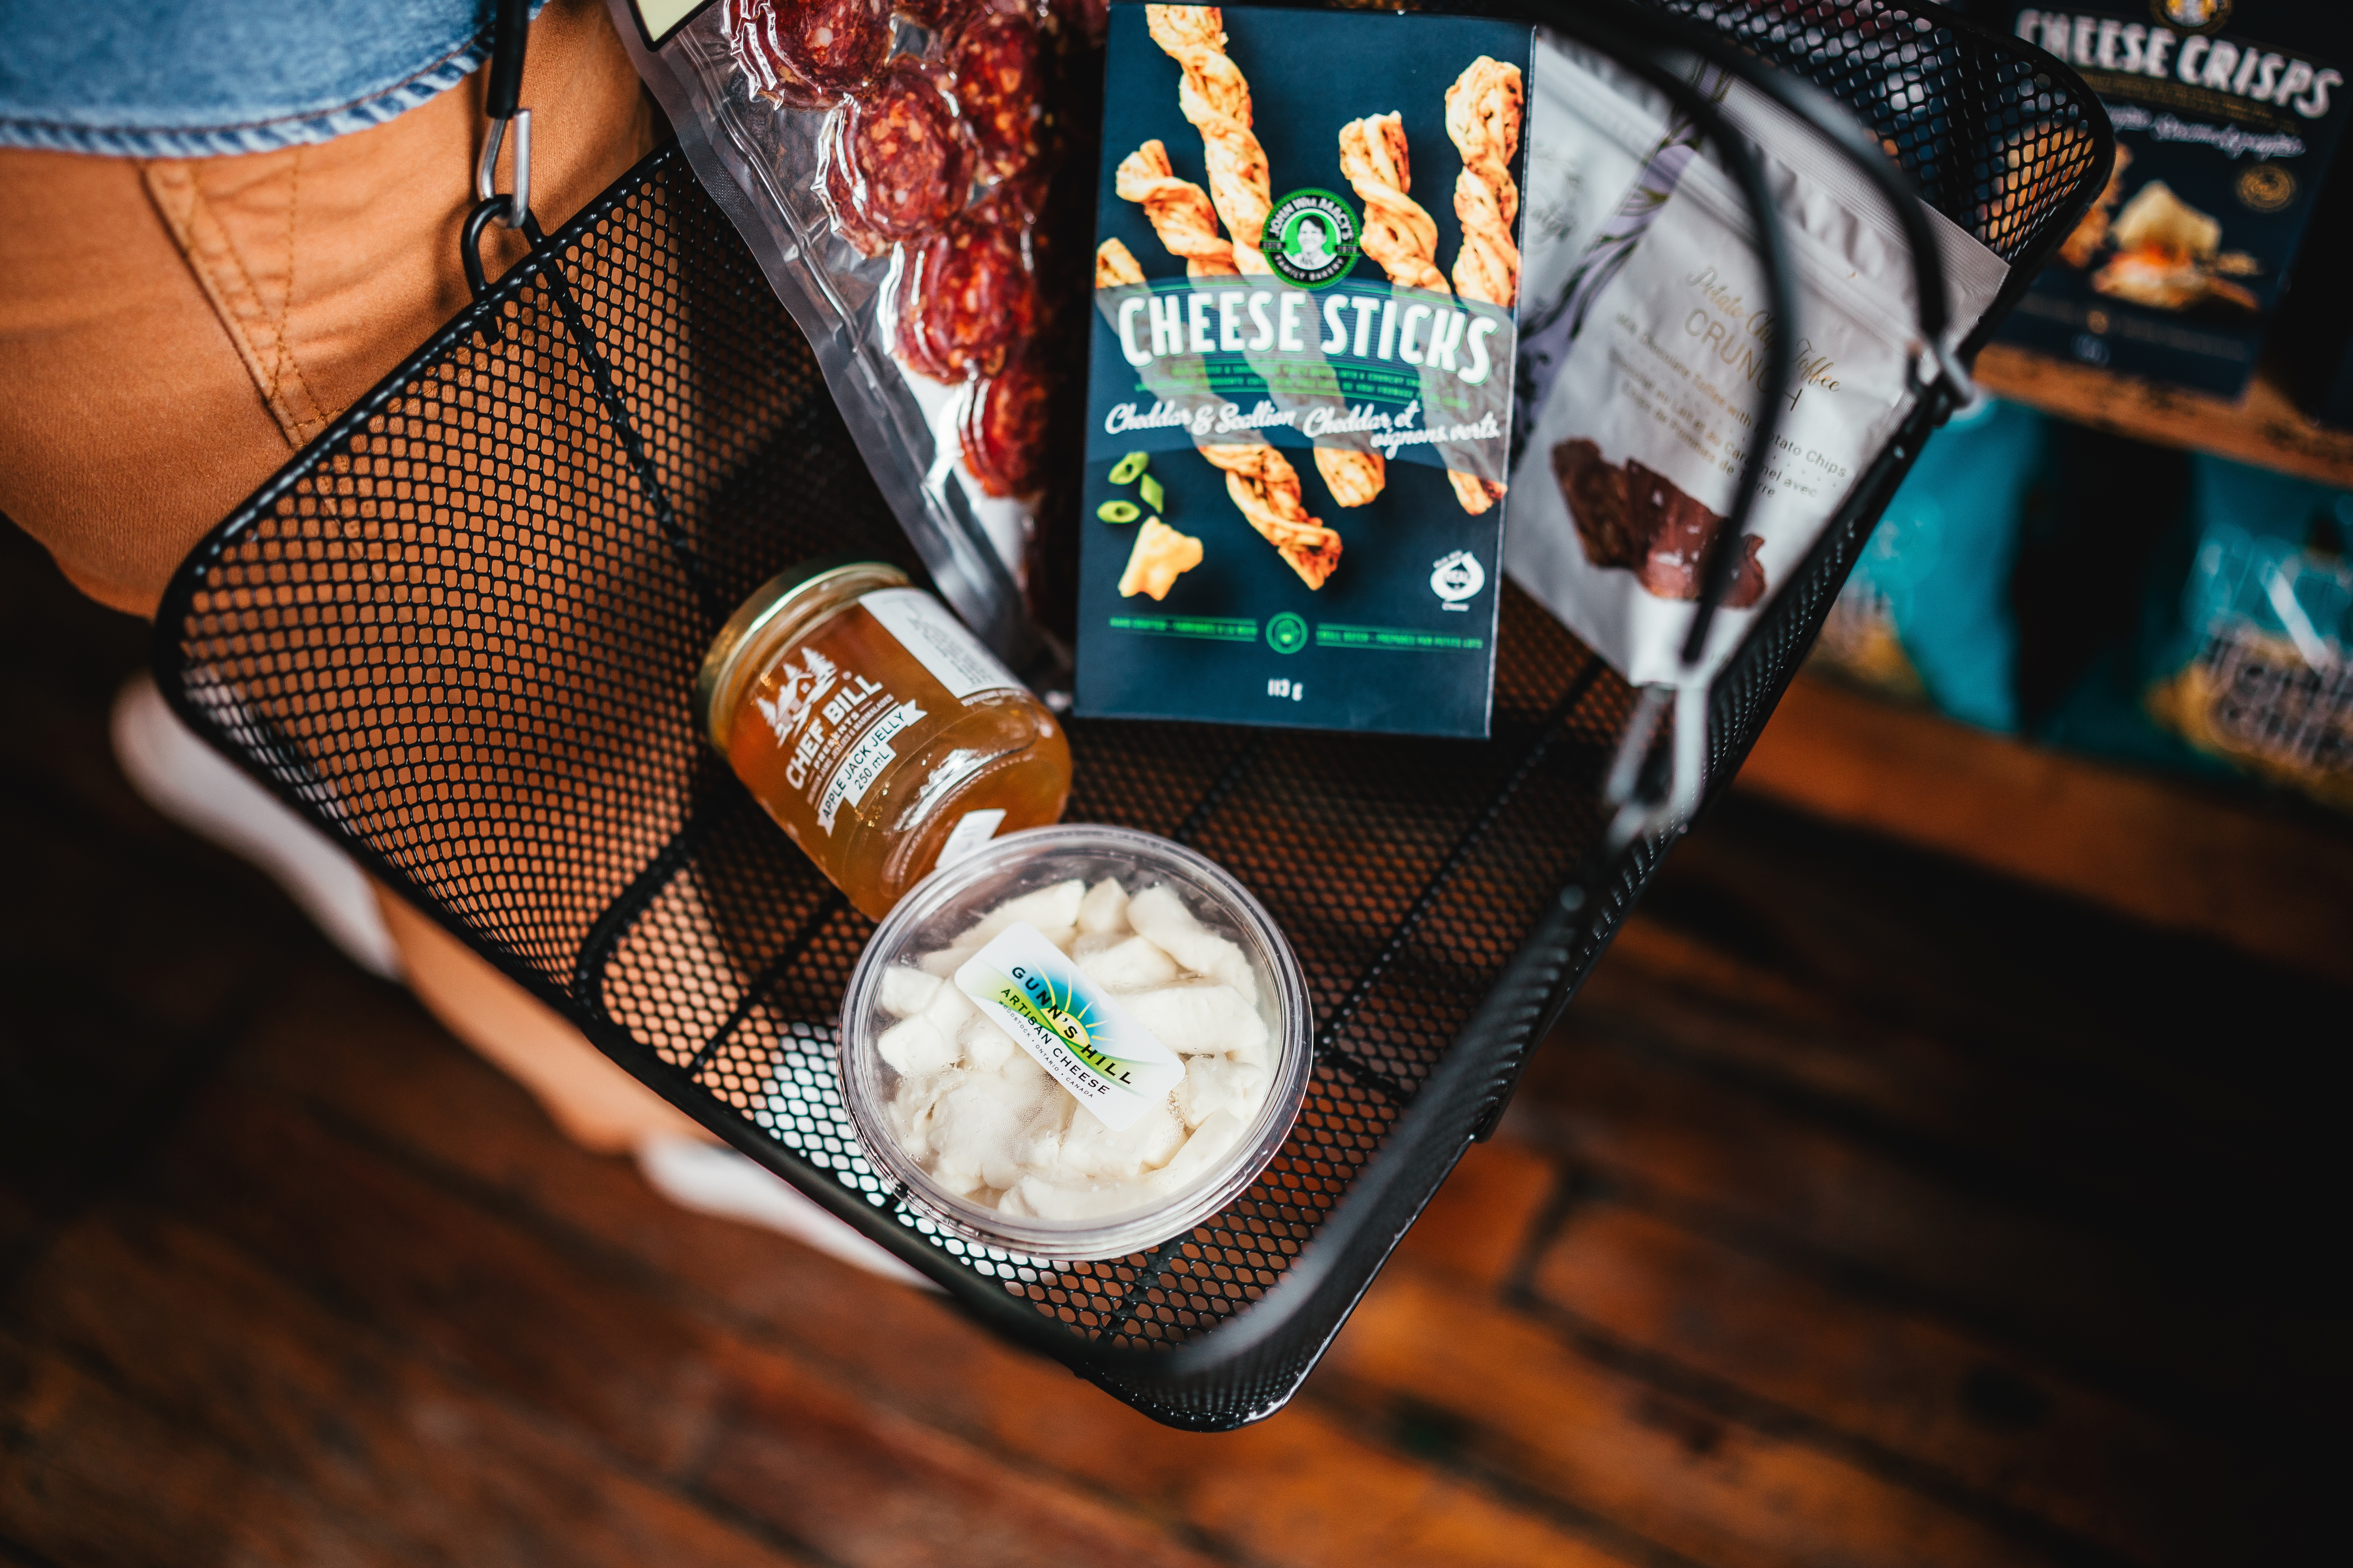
(460, 632)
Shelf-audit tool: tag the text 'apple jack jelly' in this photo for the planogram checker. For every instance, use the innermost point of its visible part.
(877, 730)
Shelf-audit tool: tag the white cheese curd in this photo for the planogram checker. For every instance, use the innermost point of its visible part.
(946, 961)
(948, 1010)
(907, 992)
(1104, 909)
(1202, 1018)
(1048, 908)
(1218, 1083)
(979, 1115)
(986, 1048)
(916, 1046)
(1128, 963)
(1158, 914)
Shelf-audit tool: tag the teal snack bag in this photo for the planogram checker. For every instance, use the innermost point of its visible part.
(1301, 383)
(1926, 614)
(2255, 673)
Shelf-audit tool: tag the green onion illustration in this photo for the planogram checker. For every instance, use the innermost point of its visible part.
(1118, 511)
(1128, 467)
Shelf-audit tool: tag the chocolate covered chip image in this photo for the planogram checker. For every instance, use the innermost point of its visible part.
(1637, 520)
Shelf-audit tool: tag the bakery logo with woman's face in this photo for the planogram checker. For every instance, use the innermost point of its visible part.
(1311, 238)
(2193, 16)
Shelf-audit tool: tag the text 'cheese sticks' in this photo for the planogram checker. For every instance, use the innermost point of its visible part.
(1179, 211)
(1216, 98)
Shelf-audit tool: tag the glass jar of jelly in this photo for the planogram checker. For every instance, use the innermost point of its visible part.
(877, 730)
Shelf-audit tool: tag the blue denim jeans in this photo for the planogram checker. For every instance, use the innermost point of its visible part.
(200, 78)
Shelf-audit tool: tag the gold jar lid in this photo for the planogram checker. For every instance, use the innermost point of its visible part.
(783, 607)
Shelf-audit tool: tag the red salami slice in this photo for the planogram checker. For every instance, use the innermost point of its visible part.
(968, 298)
(1006, 429)
(1001, 82)
(806, 53)
(898, 163)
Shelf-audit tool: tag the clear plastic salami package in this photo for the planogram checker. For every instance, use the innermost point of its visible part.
(901, 169)
(1641, 362)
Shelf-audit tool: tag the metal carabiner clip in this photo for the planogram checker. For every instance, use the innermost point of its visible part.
(502, 87)
(1647, 803)
(1931, 366)
(486, 169)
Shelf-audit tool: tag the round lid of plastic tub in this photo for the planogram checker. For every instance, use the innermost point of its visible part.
(1076, 1043)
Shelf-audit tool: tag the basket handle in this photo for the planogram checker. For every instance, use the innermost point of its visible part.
(501, 106)
(1649, 792)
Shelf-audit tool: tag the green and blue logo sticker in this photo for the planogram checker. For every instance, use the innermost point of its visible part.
(1312, 238)
(1070, 1027)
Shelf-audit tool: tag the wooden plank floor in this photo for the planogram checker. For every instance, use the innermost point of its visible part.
(1867, 1210)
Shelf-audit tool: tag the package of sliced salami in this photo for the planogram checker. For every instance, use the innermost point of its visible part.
(900, 168)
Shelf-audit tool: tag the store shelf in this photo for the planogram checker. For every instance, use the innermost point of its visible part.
(2263, 427)
(2170, 854)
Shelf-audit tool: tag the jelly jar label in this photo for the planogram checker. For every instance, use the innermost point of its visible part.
(865, 763)
(1071, 1026)
(939, 642)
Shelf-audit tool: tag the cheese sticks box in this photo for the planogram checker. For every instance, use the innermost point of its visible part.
(2227, 113)
(1300, 401)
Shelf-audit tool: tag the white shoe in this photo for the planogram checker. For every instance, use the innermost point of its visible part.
(182, 777)
(196, 787)
(713, 1179)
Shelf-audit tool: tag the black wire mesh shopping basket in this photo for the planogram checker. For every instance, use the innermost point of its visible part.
(459, 631)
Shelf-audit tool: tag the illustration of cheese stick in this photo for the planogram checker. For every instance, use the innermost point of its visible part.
(1265, 486)
(1483, 119)
(1115, 264)
(1215, 98)
(1400, 233)
(1402, 236)
(1180, 214)
(1354, 477)
(1483, 110)
(1475, 493)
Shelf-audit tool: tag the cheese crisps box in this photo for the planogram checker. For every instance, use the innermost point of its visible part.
(1300, 406)
(2227, 113)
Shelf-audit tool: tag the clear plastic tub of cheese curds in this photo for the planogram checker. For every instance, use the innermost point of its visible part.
(1077, 1043)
